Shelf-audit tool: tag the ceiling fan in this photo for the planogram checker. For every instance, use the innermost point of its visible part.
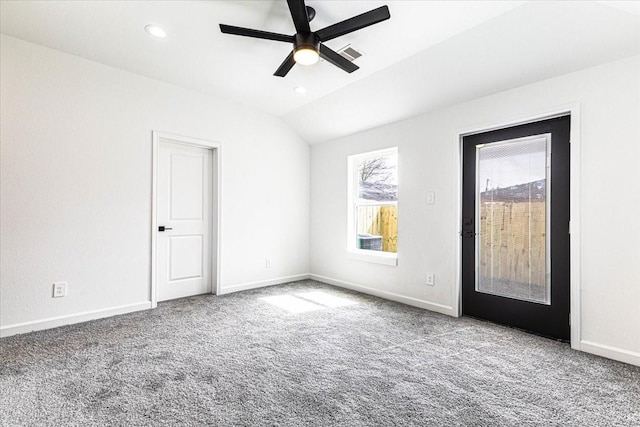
(308, 45)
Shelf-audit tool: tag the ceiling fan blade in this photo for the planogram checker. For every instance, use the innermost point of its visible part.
(299, 15)
(337, 60)
(286, 66)
(248, 32)
(352, 24)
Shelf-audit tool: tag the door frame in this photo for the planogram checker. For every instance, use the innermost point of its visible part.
(216, 198)
(574, 224)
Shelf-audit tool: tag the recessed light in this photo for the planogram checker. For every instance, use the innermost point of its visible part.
(155, 31)
(300, 90)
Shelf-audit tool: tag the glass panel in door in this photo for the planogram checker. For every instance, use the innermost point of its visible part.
(512, 230)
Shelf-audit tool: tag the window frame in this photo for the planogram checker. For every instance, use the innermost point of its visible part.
(353, 202)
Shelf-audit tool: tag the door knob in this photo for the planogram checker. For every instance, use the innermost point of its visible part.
(163, 228)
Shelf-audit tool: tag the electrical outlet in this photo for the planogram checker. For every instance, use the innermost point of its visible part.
(267, 263)
(59, 289)
(431, 279)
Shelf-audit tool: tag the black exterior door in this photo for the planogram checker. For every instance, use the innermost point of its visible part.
(515, 227)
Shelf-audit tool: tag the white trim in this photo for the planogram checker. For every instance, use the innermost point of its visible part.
(154, 216)
(610, 352)
(415, 302)
(216, 247)
(263, 283)
(377, 257)
(574, 176)
(574, 221)
(457, 229)
(217, 241)
(373, 154)
(559, 111)
(70, 319)
(352, 204)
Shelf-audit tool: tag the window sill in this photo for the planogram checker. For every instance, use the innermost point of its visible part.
(376, 257)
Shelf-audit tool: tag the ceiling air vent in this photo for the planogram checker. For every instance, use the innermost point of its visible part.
(349, 53)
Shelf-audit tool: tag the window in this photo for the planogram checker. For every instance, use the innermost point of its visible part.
(373, 206)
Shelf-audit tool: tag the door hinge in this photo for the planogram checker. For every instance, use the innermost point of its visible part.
(569, 227)
(569, 319)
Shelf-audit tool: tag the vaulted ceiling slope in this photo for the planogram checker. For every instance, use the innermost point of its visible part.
(430, 54)
(536, 41)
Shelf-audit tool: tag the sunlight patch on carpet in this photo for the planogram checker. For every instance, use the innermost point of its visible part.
(326, 299)
(292, 304)
(308, 301)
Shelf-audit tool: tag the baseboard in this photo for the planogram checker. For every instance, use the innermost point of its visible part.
(427, 305)
(54, 322)
(262, 283)
(610, 352)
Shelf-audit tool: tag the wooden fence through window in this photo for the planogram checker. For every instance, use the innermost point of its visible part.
(513, 241)
(380, 221)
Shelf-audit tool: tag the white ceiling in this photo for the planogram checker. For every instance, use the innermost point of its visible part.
(428, 55)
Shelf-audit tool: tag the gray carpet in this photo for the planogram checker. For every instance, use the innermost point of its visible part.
(305, 354)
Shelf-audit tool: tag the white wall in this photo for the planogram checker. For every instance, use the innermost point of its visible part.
(76, 186)
(75, 192)
(609, 98)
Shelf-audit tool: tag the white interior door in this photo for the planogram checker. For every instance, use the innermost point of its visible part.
(184, 215)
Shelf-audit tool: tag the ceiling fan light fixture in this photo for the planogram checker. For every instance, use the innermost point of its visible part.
(306, 55)
(306, 50)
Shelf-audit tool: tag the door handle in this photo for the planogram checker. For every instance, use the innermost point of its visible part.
(163, 228)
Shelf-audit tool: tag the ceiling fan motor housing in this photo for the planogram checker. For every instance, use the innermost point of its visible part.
(306, 48)
(307, 41)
